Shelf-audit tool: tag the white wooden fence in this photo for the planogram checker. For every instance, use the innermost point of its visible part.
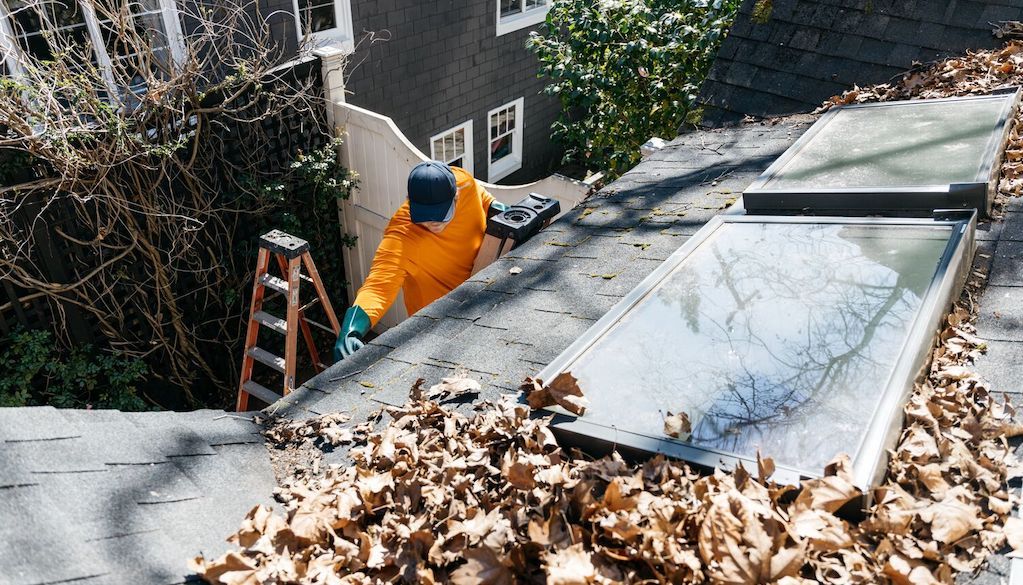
(382, 156)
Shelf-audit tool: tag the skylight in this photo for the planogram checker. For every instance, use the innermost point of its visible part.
(911, 157)
(797, 337)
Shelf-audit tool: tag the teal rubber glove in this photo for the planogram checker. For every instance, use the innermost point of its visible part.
(354, 327)
(497, 207)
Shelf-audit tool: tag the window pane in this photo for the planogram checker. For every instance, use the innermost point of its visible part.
(64, 18)
(510, 119)
(322, 18)
(458, 142)
(64, 13)
(510, 7)
(530, 4)
(36, 46)
(501, 148)
(495, 126)
(776, 337)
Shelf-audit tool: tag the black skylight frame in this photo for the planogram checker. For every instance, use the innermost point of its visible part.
(906, 200)
(886, 425)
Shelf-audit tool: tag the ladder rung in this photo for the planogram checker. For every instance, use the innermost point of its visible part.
(278, 284)
(320, 326)
(306, 278)
(261, 392)
(309, 304)
(267, 320)
(266, 358)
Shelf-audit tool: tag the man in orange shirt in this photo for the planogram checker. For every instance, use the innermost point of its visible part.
(428, 248)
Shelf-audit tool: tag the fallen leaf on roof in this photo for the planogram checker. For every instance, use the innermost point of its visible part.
(455, 387)
(677, 425)
(563, 391)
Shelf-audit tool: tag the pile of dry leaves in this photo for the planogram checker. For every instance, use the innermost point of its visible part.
(436, 496)
(977, 73)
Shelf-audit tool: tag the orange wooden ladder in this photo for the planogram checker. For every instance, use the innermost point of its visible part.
(291, 253)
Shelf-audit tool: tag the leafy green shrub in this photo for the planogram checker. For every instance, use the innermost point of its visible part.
(626, 70)
(33, 373)
(304, 203)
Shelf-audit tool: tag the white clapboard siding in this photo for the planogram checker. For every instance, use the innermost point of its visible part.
(383, 157)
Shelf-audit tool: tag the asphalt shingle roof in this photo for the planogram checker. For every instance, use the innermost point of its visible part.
(109, 497)
(798, 53)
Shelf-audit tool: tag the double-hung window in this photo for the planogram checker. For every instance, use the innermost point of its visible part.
(454, 146)
(513, 15)
(504, 140)
(327, 22)
(43, 28)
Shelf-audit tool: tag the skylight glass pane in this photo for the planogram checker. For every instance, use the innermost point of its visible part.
(906, 158)
(903, 144)
(772, 336)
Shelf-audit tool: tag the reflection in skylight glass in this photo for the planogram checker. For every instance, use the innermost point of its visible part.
(772, 336)
(895, 145)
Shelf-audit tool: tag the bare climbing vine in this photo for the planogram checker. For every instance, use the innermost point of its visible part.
(146, 170)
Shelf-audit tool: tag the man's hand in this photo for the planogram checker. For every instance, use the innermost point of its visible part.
(354, 327)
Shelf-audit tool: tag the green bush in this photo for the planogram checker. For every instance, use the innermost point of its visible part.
(304, 203)
(625, 71)
(33, 373)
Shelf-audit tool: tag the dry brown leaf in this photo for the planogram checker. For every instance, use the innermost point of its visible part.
(232, 562)
(449, 388)
(1013, 531)
(742, 542)
(831, 492)
(482, 567)
(678, 426)
(566, 393)
(521, 475)
(570, 566)
(951, 518)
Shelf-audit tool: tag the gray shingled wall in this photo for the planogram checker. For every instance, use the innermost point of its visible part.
(445, 64)
(809, 50)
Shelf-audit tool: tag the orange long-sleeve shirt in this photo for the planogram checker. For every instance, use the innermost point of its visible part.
(426, 265)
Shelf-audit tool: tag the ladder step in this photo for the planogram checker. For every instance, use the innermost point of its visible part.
(267, 320)
(266, 358)
(272, 282)
(261, 392)
(279, 284)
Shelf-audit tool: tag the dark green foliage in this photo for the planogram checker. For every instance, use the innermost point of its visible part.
(625, 71)
(304, 202)
(35, 372)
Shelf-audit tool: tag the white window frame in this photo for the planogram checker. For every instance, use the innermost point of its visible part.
(341, 36)
(467, 154)
(14, 56)
(526, 18)
(513, 162)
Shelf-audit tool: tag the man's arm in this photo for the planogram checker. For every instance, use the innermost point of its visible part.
(385, 279)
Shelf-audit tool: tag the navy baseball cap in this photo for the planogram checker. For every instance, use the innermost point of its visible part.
(431, 192)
